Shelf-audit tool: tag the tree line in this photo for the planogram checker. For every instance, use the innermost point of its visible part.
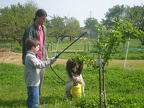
(14, 20)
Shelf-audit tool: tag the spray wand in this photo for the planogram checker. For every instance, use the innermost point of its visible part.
(63, 51)
(70, 44)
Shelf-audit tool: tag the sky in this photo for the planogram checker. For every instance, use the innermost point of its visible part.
(79, 9)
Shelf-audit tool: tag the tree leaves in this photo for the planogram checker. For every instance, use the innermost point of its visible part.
(15, 19)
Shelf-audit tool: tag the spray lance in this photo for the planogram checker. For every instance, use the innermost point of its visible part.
(57, 56)
(70, 44)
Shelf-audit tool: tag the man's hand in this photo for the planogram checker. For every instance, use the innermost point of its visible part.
(77, 79)
(47, 58)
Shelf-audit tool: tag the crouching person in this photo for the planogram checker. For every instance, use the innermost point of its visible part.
(32, 71)
(74, 68)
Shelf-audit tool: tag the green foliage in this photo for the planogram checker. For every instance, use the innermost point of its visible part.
(12, 85)
(78, 58)
(141, 37)
(109, 40)
(108, 43)
(105, 45)
(86, 103)
(59, 27)
(119, 11)
(136, 16)
(133, 14)
(124, 88)
(128, 84)
(15, 19)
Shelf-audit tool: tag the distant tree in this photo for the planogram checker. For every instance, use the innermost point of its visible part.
(131, 17)
(56, 27)
(137, 16)
(72, 27)
(14, 19)
(134, 14)
(63, 27)
(118, 11)
(91, 24)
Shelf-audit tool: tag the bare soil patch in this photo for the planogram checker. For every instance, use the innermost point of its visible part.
(7, 56)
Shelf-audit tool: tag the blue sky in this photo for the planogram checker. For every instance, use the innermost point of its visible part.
(80, 9)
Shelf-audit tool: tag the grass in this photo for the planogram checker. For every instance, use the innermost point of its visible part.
(135, 50)
(124, 87)
(12, 91)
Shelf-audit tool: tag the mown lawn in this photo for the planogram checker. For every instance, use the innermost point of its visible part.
(124, 87)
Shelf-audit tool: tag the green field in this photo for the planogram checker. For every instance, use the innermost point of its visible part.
(135, 50)
(124, 88)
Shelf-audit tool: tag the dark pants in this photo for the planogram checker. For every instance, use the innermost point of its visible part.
(41, 79)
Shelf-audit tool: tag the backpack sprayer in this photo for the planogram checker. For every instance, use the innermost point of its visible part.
(76, 89)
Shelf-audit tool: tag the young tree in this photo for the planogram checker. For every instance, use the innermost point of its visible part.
(107, 43)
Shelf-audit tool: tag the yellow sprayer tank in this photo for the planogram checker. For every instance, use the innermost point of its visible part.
(76, 91)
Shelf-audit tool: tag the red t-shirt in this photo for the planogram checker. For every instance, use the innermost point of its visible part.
(41, 40)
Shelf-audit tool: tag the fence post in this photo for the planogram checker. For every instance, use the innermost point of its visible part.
(88, 46)
(85, 44)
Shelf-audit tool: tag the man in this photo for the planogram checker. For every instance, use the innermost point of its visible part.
(74, 68)
(37, 30)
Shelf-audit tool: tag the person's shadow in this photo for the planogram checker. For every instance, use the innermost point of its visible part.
(12, 103)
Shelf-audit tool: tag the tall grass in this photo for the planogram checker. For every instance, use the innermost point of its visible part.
(124, 88)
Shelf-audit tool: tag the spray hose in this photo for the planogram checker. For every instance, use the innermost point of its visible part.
(57, 74)
(63, 52)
